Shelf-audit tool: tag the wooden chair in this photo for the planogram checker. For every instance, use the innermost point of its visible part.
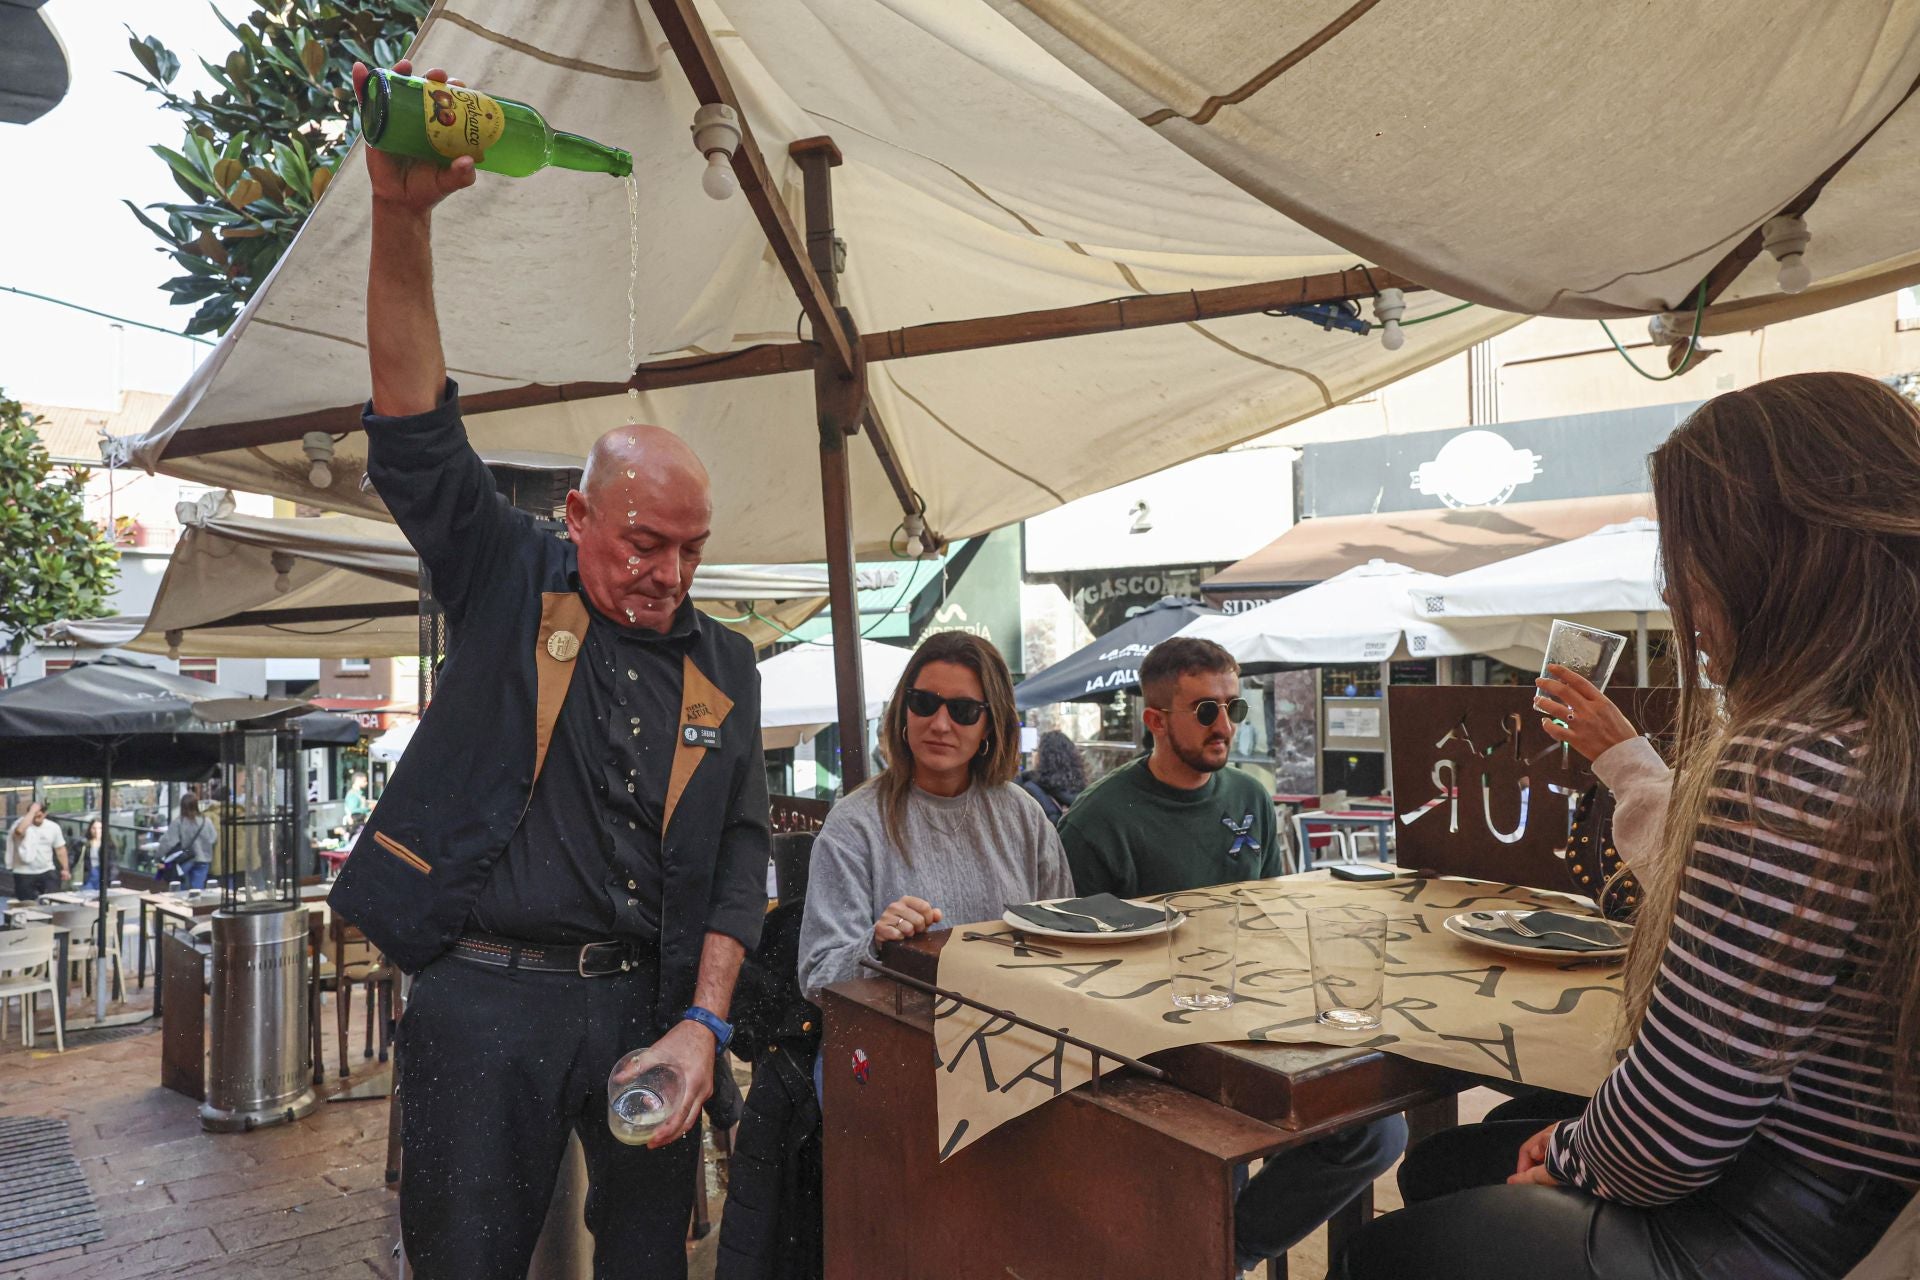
(353, 961)
(26, 972)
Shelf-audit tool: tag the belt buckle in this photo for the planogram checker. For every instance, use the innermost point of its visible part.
(619, 948)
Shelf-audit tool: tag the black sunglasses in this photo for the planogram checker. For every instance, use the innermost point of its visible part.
(926, 704)
(1208, 711)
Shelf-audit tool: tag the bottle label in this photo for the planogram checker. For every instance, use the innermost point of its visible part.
(461, 122)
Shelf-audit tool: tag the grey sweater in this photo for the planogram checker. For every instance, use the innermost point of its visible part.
(971, 856)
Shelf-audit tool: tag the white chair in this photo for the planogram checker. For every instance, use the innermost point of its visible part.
(82, 952)
(26, 971)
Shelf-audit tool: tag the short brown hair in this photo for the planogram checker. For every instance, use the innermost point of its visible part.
(1167, 661)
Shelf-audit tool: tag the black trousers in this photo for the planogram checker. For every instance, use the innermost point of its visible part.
(1770, 1216)
(498, 1067)
(29, 888)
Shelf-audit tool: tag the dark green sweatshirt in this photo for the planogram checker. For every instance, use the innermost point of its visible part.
(1132, 835)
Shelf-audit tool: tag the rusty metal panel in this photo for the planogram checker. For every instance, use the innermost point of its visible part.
(1134, 1182)
(1480, 790)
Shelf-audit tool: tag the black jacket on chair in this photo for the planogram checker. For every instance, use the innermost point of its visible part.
(467, 777)
(772, 1227)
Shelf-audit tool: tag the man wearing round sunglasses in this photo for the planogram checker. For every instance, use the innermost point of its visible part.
(1180, 819)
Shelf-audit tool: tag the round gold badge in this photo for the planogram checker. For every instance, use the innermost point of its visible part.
(562, 646)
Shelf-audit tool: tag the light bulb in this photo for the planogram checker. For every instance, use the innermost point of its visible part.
(318, 446)
(1795, 274)
(718, 181)
(1388, 306)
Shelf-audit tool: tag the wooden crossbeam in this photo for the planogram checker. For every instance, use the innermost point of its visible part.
(694, 48)
(313, 613)
(938, 338)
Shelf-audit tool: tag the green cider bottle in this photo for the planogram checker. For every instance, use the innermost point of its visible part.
(435, 121)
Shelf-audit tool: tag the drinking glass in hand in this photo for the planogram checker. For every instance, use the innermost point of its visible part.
(1586, 650)
(1200, 951)
(641, 1094)
(1348, 948)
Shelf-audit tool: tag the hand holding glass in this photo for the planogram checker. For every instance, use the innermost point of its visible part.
(641, 1095)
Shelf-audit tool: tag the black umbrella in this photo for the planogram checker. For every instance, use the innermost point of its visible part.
(97, 719)
(1111, 663)
(67, 724)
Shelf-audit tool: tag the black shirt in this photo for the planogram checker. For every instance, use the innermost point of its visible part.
(585, 862)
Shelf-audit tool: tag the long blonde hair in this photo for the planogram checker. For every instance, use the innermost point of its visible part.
(1790, 516)
(996, 764)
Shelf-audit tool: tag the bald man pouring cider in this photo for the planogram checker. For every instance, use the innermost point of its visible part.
(571, 859)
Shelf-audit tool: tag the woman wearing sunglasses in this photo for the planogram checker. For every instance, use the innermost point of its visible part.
(943, 834)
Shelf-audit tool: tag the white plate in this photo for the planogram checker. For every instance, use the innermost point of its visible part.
(1457, 926)
(1067, 935)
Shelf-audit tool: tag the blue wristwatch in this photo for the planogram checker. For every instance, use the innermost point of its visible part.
(721, 1028)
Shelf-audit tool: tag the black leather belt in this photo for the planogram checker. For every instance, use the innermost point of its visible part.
(589, 960)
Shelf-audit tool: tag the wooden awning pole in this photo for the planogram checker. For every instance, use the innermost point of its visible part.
(841, 400)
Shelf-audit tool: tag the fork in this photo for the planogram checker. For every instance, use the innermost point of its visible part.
(1099, 925)
(1513, 921)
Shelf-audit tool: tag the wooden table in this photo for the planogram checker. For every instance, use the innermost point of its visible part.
(1132, 1178)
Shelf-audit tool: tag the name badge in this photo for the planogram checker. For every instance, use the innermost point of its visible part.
(700, 735)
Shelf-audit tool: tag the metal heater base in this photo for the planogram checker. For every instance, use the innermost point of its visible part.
(215, 1120)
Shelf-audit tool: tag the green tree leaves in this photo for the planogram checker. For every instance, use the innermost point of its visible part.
(54, 562)
(260, 152)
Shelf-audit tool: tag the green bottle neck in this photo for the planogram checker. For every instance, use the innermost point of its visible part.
(571, 151)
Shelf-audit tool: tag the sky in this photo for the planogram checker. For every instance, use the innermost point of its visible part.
(63, 229)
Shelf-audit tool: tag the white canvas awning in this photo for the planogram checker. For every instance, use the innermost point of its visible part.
(1364, 615)
(391, 745)
(1610, 578)
(1561, 158)
(797, 689)
(982, 177)
(348, 587)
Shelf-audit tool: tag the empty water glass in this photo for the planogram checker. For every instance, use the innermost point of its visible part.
(1200, 951)
(1348, 950)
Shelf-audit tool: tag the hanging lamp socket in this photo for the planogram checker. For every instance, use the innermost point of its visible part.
(1389, 305)
(318, 446)
(1786, 238)
(716, 135)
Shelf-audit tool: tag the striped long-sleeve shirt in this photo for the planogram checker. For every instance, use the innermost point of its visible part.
(1761, 1019)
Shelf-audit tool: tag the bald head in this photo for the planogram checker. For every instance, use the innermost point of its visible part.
(640, 452)
(640, 521)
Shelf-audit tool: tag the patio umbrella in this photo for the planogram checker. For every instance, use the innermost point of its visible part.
(118, 717)
(1112, 662)
(349, 587)
(1797, 108)
(1363, 615)
(797, 689)
(1609, 578)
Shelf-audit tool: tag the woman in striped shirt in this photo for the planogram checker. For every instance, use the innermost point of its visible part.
(1762, 1122)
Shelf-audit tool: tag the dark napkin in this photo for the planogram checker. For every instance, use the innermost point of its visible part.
(1592, 935)
(1106, 908)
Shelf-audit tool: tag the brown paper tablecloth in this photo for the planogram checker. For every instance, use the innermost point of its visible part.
(1447, 1001)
